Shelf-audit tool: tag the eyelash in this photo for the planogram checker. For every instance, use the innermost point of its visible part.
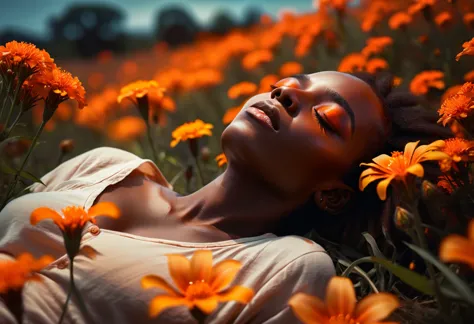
(323, 124)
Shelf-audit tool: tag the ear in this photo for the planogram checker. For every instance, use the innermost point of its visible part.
(333, 197)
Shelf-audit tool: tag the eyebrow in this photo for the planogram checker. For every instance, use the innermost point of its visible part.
(303, 79)
(337, 98)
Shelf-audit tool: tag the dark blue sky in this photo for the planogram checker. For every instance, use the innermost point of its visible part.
(32, 15)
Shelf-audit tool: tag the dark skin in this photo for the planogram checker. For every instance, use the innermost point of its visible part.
(326, 123)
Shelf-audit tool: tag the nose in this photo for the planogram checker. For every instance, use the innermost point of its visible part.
(287, 97)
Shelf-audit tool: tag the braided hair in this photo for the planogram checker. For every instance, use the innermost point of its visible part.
(407, 121)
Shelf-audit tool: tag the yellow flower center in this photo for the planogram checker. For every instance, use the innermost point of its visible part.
(342, 319)
(198, 290)
(398, 163)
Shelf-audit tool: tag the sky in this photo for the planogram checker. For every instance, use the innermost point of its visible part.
(32, 15)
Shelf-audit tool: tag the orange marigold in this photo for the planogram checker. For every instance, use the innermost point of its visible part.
(400, 20)
(139, 89)
(420, 5)
(457, 106)
(243, 88)
(469, 76)
(468, 49)
(444, 19)
(126, 129)
(290, 68)
(266, 82)
(469, 19)
(457, 248)
(375, 45)
(458, 150)
(16, 53)
(190, 130)
(353, 62)
(427, 79)
(14, 273)
(221, 159)
(255, 58)
(376, 64)
(451, 91)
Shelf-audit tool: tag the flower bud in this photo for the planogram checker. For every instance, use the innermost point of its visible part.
(189, 173)
(404, 220)
(205, 154)
(66, 146)
(428, 190)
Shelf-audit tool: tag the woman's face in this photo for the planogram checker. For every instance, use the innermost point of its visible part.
(307, 132)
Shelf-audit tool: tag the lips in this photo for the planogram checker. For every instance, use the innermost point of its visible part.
(271, 112)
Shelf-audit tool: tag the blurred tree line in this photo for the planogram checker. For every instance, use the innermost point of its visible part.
(86, 30)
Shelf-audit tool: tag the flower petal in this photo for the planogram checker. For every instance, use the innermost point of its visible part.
(223, 273)
(162, 302)
(369, 179)
(308, 309)
(375, 307)
(416, 169)
(340, 296)
(382, 188)
(383, 161)
(42, 213)
(152, 281)
(409, 149)
(180, 270)
(433, 156)
(455, 248)
(207, 305)
(104, 209)
(239, 294)
(201, 265)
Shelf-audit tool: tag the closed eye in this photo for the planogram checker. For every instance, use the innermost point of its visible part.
(325, 126)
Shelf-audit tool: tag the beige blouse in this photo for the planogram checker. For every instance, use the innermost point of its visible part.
(274, 267)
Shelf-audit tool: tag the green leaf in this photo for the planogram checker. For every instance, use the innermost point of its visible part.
(461, 287)
(362, 273)
(24, 174)
(411, 278)
(373, 245)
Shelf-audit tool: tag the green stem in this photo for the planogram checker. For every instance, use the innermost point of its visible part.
(6, 97)
(69, 294)
(15, 95)
(80, 301)
(354, 264)
(13, 184)
(150, 141)
(9, 129)
(198, 167)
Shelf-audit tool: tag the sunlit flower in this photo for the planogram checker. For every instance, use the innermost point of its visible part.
(457, 248)
(62, 86)
(199, 284)
(427, 79)
(397, 81)
(231, 113)
(458, 150)
(353, 62)
(457, 106)
(341, 306)
(139, 89)
(303, 45)
(469, 19)
(400, 165)
(191, 130)
(290, 68)
(266, 82)
(375, 45)
(421, 5)
(400, 20)
(256, 58)
(126, 129)
(451, 91)
(72, 221)
(468, 49)
(376, 65)
(221, 159)
(469, 76)
(243, 88)
(444, 19)
(15, 273)
(21, 53)
(203, 78)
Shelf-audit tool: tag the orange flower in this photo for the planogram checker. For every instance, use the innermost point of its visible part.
(290, 68)
(14, 273)
(125, 129)
(231, 113)
(243, 88)
(468, 49)
(451, 91)
(456, 248)
(256, 58)
(469, 76)
(458, 150)
(17, 53)
(139, 89)
(444, 19)
(353, 62)
(400, 165)
(62, 86)
(399, 20)
(459, 105)
(199, 284)
(421, 5)
(221, 159)
(375, 45)
(341, 305)
(266, 82)
(427, 79)
(191, 130)
(376, 64)
(469, 19)
(397, 81)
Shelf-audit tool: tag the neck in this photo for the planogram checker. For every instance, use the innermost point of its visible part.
(237, 203)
